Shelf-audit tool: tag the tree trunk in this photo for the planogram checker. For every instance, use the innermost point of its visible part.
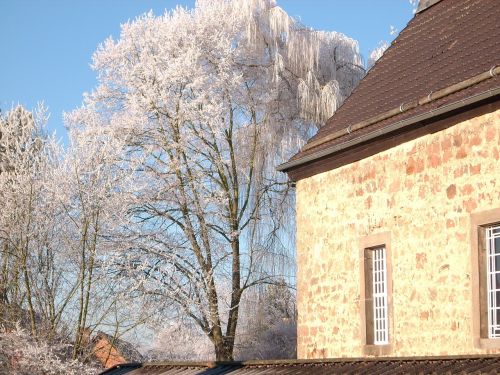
(224, 350)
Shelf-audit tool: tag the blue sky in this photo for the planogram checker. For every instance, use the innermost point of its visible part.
(47, 45)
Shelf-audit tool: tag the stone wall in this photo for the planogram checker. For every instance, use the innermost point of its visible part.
(423, 193)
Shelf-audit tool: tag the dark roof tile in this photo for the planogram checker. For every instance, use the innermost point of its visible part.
(473, 364)
(449, 42)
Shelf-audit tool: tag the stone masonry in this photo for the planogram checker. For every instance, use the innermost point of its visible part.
(423, 193)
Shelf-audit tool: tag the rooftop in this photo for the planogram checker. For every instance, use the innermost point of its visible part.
(447, 57)
(485, 364)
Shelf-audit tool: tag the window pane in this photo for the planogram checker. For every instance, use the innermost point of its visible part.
(496, 266)
(381, 334)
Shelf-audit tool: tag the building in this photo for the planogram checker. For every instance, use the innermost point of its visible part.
(398, 198)
(110, 351)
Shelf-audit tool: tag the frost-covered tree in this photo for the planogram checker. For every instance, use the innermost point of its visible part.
(91, 188)
(268, 328)
(207, 102)
(27, 278)
(88, 189)
(377, 53)
(59, 213)
(22, 354)
(37, 282)
(180, 340)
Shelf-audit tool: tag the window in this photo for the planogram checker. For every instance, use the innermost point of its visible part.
(485, 237)
(492, 244)
(377, 316)
(376, 294)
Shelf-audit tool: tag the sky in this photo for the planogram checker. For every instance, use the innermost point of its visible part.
(46, 46)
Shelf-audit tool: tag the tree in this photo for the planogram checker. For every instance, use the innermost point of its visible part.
(22, 354)
(89, 186)
(26, 157)
(207, 102)
(377, 53)
(59, 213)
(180, 340)
(90, 201)
(35, 283)
(268, 328)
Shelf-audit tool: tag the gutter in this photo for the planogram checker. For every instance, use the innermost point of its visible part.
(390, 128)
(404, 107)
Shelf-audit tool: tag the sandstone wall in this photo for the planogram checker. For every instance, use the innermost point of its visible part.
(422, 192)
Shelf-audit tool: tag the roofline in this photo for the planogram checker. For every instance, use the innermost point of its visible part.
(285, 167)
(404, 107)
(212, 364)
(131, 365)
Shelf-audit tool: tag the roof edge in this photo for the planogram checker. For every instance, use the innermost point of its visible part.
(311, 360)
(131, 365)
(285, 167)
(404, 107)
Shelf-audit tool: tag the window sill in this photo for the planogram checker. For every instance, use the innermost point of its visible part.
(377, 350)
(482, 343)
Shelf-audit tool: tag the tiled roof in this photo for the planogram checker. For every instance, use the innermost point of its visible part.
(124, 348)
(488, 364)
(447, 43)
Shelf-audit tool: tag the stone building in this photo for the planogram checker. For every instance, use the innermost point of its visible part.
(398, 198)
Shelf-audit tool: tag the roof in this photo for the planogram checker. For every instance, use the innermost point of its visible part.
(447, 54)
(124, 349)
(485, 364)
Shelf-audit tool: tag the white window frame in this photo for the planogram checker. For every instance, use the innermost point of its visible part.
(379, 293)
(492, 233)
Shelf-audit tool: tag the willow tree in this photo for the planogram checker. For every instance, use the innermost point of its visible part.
(208, 101)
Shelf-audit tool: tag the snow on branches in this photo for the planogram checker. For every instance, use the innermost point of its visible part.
(204, 103)
(21, 354)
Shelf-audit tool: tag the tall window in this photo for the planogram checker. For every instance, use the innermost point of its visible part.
(376, 294)
(492, 234)
(485, 246)
(381, 327)
(376, 306)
